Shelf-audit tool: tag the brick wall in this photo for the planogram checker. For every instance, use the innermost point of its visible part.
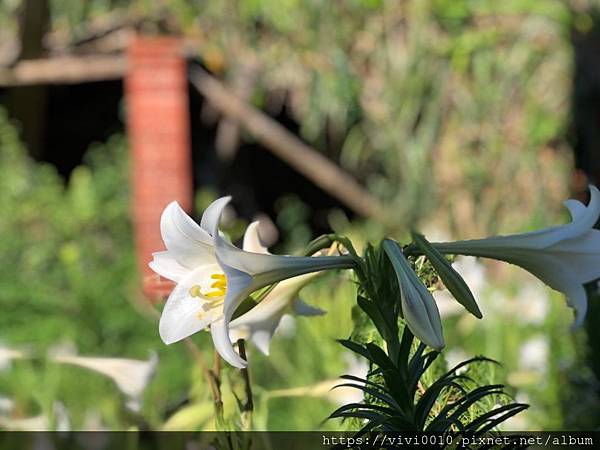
(159, 137)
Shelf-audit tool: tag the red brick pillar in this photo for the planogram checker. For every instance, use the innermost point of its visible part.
(159, 137)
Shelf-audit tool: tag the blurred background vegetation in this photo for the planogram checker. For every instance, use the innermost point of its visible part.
(465, 118)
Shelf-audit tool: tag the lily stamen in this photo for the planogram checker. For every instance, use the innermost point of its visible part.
(219, 286)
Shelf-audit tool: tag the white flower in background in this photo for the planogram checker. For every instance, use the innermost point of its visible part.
(36, 423)
(246, 272)
(213, 276)
(454, 357)
(447, 305)
(7, 354)
(532, 304)
(534, 354)
(260, 323)
(473, 272)
(6, 405)
(39, 423)
(287, 326)
(130, 375)
(565, 257)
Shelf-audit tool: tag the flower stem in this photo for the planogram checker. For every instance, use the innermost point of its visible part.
(213, 377)
(248, 406)
(319, 243)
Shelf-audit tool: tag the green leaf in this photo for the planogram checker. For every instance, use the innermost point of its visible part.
(385, 398)
(386, 325)
(394, 379)
(361, 407)
(404, 353)
(356, 348)
(450, 277)
(493, 418)
(365, 381)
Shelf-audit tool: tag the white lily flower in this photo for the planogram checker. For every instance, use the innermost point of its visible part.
(197, 299)
(213, 277)
(130, 375)
(565, 257)
(260, 323)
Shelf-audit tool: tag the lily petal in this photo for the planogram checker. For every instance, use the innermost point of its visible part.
(212, 215)
(260, 323)
(130, 375)
(220, 335)
(166, 266)
(575, 207)
(262, 338)
(577, 299)
(252, 241)
(187, 243)
(184, 315)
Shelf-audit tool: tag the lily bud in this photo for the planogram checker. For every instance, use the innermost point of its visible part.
(418, 305)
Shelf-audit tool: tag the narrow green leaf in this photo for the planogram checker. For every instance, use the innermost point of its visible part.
(493, 418)
(394, 379)
(475, 359)
(473, 398)
(358, 415)
(404, 353)
(387, 326)
(450, 277)
(366, 382)
(385, 398)
(356, 348)
(361, 407)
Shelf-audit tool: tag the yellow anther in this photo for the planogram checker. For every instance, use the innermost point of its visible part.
(215, 294)
(219, 286)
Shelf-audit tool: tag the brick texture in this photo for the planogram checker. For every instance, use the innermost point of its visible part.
(159, 137)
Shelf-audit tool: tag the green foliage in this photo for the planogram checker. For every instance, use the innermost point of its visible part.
(431, 104)
(55, 268)
(68, 279)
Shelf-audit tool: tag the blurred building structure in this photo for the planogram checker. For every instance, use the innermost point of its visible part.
(159, 138)
(68, 96)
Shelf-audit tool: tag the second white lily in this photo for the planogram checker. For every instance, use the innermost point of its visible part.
(245, 272)
(259, 324)
(565, 257)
